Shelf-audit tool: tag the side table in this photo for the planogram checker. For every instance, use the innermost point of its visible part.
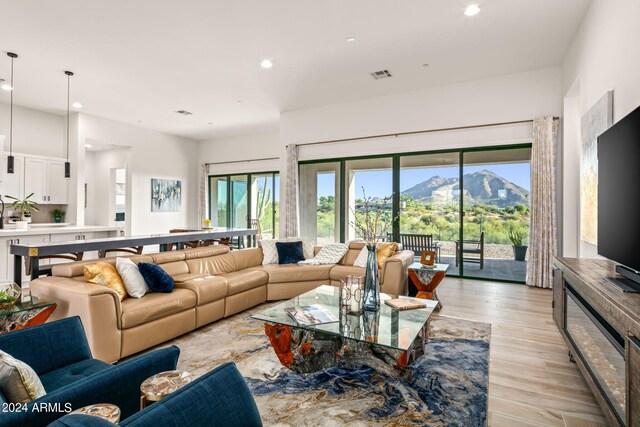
(161, 385)
(106, 411)
(426, 280)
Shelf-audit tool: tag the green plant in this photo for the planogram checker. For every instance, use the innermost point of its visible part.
(25, 206)
(4, 298)
(517, 235)
(57, 213)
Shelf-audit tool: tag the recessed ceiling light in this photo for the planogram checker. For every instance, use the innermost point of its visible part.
(266, 64)
(351, 39)
(425, 65)
(472, 9)
(77, 105)
(5, 85)
(210, 123)
(88, 145)
(239, 101)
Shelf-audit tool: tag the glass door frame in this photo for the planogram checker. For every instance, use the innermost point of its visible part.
(249, 195)
(395, 158)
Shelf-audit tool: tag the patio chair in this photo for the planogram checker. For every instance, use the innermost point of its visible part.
(418, 243)
(471, 247)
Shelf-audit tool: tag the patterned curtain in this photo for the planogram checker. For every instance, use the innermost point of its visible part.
(543, 229)
(202, 194)
(291, 193)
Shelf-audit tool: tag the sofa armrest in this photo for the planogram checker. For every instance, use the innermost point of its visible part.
(394, 273)
(98, 306)
(119, 385)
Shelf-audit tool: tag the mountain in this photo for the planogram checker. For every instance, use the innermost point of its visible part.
(483, 187)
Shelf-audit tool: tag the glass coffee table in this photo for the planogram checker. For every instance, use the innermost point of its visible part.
(389, 338)
(29, 311)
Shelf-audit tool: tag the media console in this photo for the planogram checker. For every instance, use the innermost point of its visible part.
(601, 326)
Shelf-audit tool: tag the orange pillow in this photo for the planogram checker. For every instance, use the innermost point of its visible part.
(386, 250)
(105, 274)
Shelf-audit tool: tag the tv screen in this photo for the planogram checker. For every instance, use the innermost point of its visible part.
(619, 192)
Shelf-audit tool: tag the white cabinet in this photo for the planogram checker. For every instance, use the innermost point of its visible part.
(6, 259)
(42, 176)
(12, 183)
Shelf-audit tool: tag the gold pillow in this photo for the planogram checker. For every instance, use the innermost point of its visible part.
(105, 274)
(385, 250)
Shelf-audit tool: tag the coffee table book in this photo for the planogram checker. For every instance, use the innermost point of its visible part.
(404, 303)
(311, 315)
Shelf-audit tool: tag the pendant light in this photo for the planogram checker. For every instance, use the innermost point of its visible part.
(67, 165)
(10, 159)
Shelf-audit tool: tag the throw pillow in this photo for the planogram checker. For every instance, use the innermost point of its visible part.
(361, 260)
(329, 254)
(19, 383)
(105, 274)
(289, 252)
(386, 250)
(307, 245)
(269, 251)
(157, 279)
(133, 280)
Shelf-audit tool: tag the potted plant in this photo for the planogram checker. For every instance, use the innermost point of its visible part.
(518, 236)
(9, 294)
(57, 214)
(25, 206)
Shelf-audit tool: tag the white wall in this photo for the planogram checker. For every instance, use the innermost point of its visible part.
(152, 155)
(603, 56)
(34, 132)
(241, 148)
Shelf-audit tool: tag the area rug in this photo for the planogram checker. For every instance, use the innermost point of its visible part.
(447, 387)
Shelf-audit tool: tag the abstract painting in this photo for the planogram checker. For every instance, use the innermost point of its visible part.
(166, 195)
(598, 119)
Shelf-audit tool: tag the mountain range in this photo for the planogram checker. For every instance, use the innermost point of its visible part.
(483, 187)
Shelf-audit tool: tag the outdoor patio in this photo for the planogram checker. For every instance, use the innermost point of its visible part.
(501, 269)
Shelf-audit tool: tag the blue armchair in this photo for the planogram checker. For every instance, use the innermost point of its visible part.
(59, 353)
(220, 397)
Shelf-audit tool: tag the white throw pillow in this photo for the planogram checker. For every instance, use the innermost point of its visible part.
(329, 254)
(361, 261)
(133, 281)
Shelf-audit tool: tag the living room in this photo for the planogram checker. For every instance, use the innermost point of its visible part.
(461, 127)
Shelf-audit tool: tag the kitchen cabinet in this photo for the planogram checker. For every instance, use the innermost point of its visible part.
(34, 179)
(56, 185)
(12, 183)
(42, 176)
(6, 259)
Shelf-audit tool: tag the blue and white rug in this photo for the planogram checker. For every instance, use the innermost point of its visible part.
(448, 386)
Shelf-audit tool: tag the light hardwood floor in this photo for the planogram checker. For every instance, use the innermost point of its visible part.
(531, 381)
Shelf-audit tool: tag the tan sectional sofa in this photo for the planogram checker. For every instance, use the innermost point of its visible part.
(211, 283)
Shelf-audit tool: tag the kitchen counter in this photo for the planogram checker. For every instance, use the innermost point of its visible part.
(60, 229)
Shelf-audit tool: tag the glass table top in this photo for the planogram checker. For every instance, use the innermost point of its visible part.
(388, 327)
(26, 303)
(436, 267)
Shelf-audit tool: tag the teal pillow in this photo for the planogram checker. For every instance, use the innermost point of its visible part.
(157, 279)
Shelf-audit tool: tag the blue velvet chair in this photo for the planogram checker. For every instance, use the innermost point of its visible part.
(59, 353)
(220, 397)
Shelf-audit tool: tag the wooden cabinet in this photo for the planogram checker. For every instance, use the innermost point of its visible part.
(42, 176)
(558, 298)
(632, 358)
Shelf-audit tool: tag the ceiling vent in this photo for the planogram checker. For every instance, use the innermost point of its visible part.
(184, 112)
(378, 75)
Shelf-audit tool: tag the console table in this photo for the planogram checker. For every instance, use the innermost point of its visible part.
(36, 250)
(601, 326)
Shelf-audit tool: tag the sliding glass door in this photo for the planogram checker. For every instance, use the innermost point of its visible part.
(245, 200)
(472, 203)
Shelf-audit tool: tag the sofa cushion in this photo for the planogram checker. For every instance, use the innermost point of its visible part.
(157, 279)
(71, 373)
(205, 251)
(289, 252)
(244, 280)
(155, 306)
(188, 276)
(247, 258)
(218, 264)
(297, 272)
(339, 272)
(207, 289)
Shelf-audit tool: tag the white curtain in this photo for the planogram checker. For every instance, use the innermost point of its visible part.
(291, 193)
(202, 194)
(543, 228)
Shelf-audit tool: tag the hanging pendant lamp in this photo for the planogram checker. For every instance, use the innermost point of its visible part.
(67, 165)
(10, 159)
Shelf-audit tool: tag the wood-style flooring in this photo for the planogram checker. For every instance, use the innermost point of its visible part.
(531, 380)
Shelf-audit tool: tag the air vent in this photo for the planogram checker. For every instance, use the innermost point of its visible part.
(184, 112)
(378, 75)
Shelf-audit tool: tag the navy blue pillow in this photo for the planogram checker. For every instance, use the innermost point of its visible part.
(157, 279)
(289, 252)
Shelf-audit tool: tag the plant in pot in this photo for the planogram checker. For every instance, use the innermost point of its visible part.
(26, 206)
(9, 294)
(57, 214)
(518, 236)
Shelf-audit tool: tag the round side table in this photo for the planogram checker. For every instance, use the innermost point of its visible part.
(161, 385)
(106, 411)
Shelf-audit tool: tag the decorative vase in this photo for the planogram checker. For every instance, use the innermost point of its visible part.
(371, 280)
(520, 252)
(57, 219)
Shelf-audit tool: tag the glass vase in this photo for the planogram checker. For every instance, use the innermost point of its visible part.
(372, 281)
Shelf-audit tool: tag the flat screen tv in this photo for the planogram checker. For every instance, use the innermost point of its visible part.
(619, 195)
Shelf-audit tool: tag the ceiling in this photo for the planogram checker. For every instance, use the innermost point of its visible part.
(140, 61)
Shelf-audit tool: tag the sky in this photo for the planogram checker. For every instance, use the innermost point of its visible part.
(378, 183)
